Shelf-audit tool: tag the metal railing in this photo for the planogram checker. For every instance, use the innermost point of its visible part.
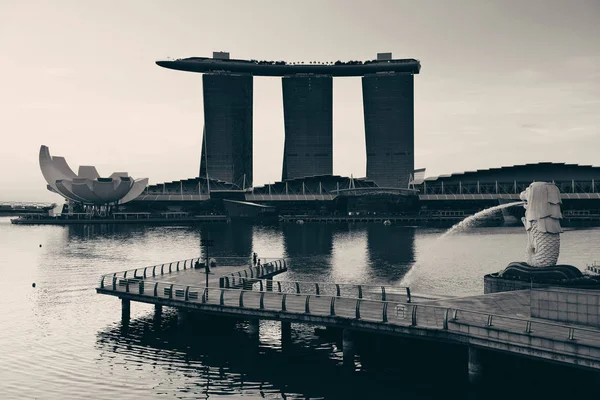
(153, 271)
(367, 292)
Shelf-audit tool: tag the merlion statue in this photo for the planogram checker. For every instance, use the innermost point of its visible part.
(542, 222)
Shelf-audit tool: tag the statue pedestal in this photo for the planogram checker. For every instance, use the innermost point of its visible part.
(519, 276)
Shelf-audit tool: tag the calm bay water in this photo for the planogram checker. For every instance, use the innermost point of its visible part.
(60, 340)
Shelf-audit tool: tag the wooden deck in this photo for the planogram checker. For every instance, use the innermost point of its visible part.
(498, 322)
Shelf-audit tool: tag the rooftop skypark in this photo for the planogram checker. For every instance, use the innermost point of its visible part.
(222, 62)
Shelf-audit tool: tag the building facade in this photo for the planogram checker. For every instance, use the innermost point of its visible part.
(308, 120)
(227, 141)
(388, 102)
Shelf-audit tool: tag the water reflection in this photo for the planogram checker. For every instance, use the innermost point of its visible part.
(308, 239)
(234, 240)
(391, 252)
(207, 356)
(350, 253)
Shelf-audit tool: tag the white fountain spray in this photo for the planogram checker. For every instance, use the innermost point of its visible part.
(463, 225)
(471, 221)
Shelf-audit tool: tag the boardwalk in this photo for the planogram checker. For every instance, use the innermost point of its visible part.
(497, 322)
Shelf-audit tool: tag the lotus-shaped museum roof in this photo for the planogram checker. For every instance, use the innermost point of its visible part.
(87, 186)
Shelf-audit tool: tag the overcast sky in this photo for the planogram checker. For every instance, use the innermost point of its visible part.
(502, 82)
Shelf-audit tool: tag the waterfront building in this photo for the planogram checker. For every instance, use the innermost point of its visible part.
(388, 97)
(227, 142)
(388, 101)
(308, 118)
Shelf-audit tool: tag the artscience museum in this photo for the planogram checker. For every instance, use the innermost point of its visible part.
(87, 187)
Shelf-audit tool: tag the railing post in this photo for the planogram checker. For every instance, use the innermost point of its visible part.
(360, 292)
(262, 301)
(307, 304)
(246, 273)
(283, 302)
(446, 318)
(154, 271)
(156, 289)
(408, 295)
(227, 282)
(455, 315)
(383, 296)
(317, 289)
(571, 333)
(125, 275)
(332, 306)
(177, 267)
(337, 290)
(162, 268)
(127, 285)
(358, 308)
(528, 327)
(102, 283)
(171, 292)
(251, 273)
(297, 287)
(490, 320)
(114, 281)
(184, 264)
(205, 295)
(261, 285)
(241, 298)
(384, 317)
(170, 264)
(222, 298)
(145, 272)
(279, 286)
(414, 316)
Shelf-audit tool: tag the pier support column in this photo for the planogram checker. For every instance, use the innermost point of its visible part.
(182, 317)
(253, 329)
(475, 366)
(286, 333)
(269, 285)
(157, 318)
(348, 348)
(125, 310)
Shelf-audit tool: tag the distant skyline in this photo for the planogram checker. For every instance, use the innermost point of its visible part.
(502, 82)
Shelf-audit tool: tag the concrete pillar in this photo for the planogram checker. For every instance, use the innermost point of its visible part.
(348, 347)
(157, 319)
(253, 329)
(475, 366)
(183, 316)
(125, 309)
(286, 332)
(269, 285)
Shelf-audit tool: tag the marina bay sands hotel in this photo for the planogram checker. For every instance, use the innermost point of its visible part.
(388, 102)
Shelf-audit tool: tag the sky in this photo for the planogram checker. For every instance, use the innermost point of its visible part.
(502, 82)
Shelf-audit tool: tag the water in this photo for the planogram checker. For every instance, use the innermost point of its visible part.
(60, 340)
(462, 226)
